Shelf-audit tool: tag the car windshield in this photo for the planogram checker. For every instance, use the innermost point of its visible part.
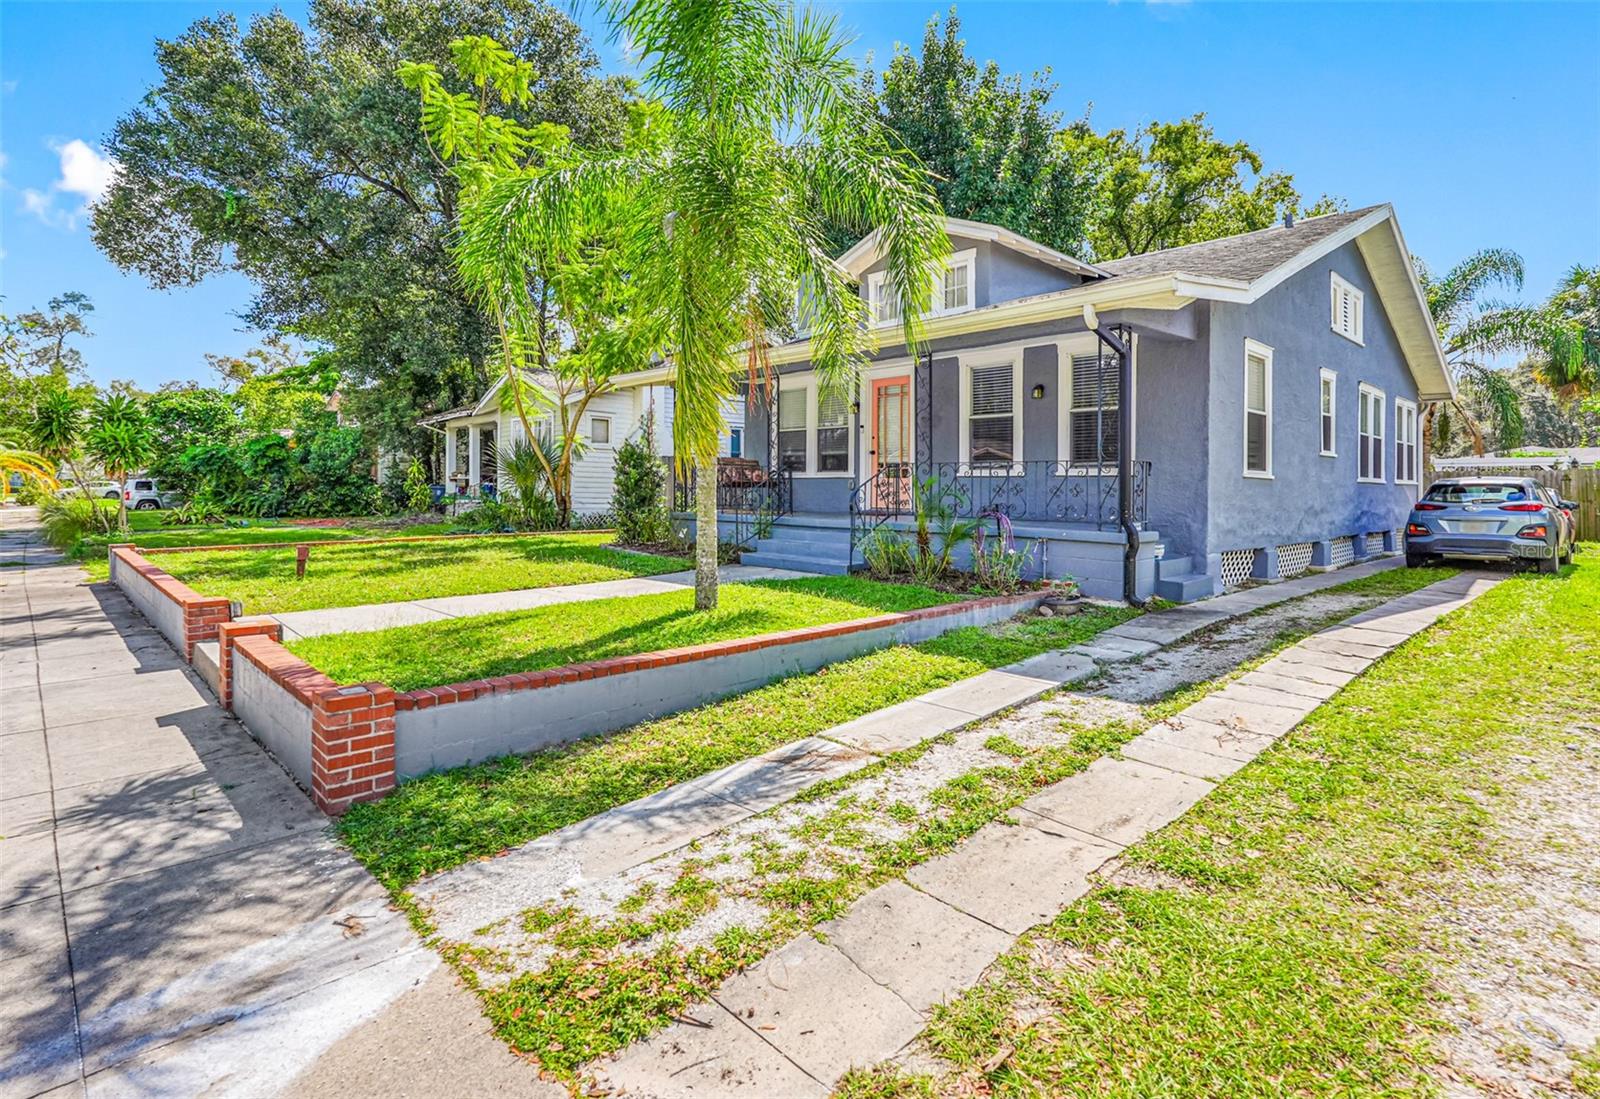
(1476, 493)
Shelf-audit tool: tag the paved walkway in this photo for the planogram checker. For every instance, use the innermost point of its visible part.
(381, 616)
(861, 989)
(174, 918)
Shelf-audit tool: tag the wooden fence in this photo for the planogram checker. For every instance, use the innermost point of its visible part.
(1581, 484)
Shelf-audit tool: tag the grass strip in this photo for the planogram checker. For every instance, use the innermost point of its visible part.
(458, 650)
(1282, 945)
(343, 576)
(448, 818)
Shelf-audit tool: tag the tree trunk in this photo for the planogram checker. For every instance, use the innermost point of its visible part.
(705, 536)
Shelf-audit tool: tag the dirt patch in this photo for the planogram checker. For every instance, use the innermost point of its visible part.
(1524, 992)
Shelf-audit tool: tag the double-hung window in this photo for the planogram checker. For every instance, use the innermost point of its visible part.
(952, 290)
(1094, 426)
(1346, 303)
(833, 432)
(883, 298)
(1328, 405)
(792, 429)
(1405, 442)
(991, 415)
(1257, 409)
(1370, 463)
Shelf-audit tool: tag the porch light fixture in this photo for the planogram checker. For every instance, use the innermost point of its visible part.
(1038, 392)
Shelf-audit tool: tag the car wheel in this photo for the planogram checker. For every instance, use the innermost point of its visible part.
(146, 505)
(1416, 560)
(1551, 564)
(108, 496)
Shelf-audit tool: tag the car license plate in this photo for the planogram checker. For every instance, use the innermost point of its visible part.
(1479, 526)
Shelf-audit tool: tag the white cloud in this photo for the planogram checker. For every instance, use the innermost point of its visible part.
(86, 173)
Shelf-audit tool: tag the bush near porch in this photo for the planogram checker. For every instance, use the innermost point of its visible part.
(484, 646)
(343, 576)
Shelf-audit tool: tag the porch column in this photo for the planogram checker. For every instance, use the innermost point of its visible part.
(474, 454)
(449, 456)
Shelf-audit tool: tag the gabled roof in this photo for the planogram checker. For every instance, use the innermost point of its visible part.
(867, 250)
(1245, 257)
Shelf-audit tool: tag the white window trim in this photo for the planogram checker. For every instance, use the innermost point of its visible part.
(807, 384)
(967, 366)
(967, 258)
(1332, 378)
(1414, 441)
(1364, 392)
(609, 425)
(1336, 285)
(1261, 351)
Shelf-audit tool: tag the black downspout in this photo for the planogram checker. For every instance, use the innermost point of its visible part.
(1130, 533)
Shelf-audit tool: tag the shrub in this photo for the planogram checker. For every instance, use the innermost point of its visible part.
(887, 554)
(636, 499)
(998, 563)
(67, 522)
(418, 493)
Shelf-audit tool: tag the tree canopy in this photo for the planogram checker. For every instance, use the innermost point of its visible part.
(293, 155)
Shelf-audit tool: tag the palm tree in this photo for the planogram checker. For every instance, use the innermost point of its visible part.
(55, 432)
(719, 206)
(120, 440)
(1563, 333)
(15, 458)
(1467, 329)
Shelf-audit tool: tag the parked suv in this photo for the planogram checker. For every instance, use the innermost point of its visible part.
(1492, 519)
(144, 494)
(106, 490)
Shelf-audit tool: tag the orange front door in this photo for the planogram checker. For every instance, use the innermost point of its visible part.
(891, 442)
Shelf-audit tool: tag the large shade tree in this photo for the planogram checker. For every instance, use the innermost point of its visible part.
(292, 154)
(723, 201)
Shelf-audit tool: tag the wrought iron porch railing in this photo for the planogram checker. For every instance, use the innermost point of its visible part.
(751, 505)
(1039, 491)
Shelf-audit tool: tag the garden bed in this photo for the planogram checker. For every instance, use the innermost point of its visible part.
(264, 581)
(486, 646)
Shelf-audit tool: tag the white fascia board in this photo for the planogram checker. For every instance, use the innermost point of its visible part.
(865, 252)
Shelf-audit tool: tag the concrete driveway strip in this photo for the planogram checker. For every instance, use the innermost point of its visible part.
(174, 918)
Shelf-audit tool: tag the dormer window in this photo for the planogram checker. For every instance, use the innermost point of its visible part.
(952, 291)
(1346, 303)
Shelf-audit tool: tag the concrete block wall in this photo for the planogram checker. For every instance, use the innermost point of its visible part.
(461, 723)
(183, 616)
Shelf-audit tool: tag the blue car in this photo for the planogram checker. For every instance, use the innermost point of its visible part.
(1512, 519)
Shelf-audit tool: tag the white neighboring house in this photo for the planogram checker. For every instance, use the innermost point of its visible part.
(474, 433)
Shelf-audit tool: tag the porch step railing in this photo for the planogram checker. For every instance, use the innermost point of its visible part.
(1051, 491)
(751, 504)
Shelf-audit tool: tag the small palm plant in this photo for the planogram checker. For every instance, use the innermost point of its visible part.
(120, 440)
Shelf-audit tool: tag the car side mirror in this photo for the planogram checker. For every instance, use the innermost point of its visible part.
(1570, 505)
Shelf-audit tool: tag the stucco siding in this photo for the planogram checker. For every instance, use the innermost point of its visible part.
(1171, 433)
(1309, 497)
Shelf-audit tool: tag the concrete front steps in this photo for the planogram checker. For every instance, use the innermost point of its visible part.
(805, 543)
(1177, 580)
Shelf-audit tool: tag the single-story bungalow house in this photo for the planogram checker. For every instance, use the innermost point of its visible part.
(473, 435)
(1263, 422)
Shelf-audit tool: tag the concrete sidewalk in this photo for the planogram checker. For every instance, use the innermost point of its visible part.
(862, 988)
(174, 918)
(381, 616)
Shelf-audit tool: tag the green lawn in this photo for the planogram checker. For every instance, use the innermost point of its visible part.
(1287, 937)
(445, 819)
(342, 576)
(461, 649)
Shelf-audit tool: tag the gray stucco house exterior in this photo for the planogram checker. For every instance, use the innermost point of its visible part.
(1266, 420)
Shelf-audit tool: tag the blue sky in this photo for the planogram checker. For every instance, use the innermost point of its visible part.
(1479, 121)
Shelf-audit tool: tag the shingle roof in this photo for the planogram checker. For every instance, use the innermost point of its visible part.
(1245, 257)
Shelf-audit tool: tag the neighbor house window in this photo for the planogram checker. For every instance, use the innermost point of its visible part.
(1329, 406)
(1257, 409)
(792, 430)
(991, 414)
(833, 433)
(1405, 442)
(1370, 464)
(1346, 301)
(735, 443)
(600, 430)
(1094, 418)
